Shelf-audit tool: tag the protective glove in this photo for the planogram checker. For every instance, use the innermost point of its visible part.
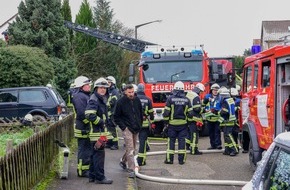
(101, 142)
(199, 125)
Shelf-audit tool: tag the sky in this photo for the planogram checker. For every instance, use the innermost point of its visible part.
(224, 27)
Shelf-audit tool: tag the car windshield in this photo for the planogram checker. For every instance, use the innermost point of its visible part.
(173, 71)
(58, 96)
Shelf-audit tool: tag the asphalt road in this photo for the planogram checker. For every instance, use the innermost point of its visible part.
(209, 166)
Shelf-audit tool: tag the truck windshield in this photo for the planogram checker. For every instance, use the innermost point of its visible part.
(173, 71)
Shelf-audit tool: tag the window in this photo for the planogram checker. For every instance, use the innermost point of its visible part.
(266, 68)
(265, 176)
(8, 96)
(31, 96)
(248, 79)
(280, 175)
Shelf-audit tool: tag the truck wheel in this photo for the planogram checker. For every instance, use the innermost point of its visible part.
(253, 164)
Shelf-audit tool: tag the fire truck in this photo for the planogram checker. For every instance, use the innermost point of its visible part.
(160, 67)
(265, 101)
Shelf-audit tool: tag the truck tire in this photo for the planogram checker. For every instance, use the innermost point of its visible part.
(254, 156)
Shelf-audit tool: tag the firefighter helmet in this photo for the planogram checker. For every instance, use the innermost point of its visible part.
(200, 86)
(111, 79)
(215, 86)
(234, 92)
(224, 92)
(101, 82)
(81, 81)
(178, 86)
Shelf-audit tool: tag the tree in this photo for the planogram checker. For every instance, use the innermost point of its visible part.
(24, 66)
(109, 56)
(66, 13)
(84, 43)
(40, 24)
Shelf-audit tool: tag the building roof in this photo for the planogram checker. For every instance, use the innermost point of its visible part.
(273, 30)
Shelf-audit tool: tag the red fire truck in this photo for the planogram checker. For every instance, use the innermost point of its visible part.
(265, 99)
(160, 67)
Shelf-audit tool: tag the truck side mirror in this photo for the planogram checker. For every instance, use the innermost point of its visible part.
(145, 67)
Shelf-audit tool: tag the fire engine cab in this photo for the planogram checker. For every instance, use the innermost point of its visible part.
(265, 101)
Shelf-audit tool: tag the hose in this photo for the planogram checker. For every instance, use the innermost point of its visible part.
(185, 181)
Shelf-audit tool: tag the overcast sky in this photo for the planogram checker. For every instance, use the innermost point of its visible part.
(225, 27)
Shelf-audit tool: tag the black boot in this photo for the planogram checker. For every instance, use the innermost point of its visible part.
(197, 152)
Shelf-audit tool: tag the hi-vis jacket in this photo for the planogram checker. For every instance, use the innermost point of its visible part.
(112, 99)
(79, 101)
(178, 110)
(227, 113)
(97, 113)
(147, 108)
(212, 107)
(196, 106)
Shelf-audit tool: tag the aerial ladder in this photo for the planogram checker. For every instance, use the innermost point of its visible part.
(124, 42)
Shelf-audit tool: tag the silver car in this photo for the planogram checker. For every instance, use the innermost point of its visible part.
(273, 171)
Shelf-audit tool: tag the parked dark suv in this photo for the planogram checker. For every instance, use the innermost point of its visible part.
(40, 101)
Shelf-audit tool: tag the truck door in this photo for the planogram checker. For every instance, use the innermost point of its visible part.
(265, 102)
(248, 102)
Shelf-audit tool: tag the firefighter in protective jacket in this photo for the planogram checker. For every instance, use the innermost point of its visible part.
(147, 118)
(82, 125)
(112, 99)
(177, 113)
(212, 107)
(228, 121)
(196, 124)
(97, 113)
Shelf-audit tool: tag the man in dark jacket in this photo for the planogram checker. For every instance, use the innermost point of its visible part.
(128, 116)
(147, 118)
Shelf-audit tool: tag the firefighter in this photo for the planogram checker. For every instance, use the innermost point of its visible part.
(147, 118)
(113, 93)
(82, 125)
(177, 113)
(197, 122)
(211, 102)
(235, 95)
(227, 121)
(97, 113)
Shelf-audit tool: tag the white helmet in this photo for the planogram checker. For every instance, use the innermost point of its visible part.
(234, 92)
(101, 82)
(111, 79)
(224, 92)
(135, 87)
(200, 86)
(81, 81)
(28, 117)
(178, 86)
(215, 86)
